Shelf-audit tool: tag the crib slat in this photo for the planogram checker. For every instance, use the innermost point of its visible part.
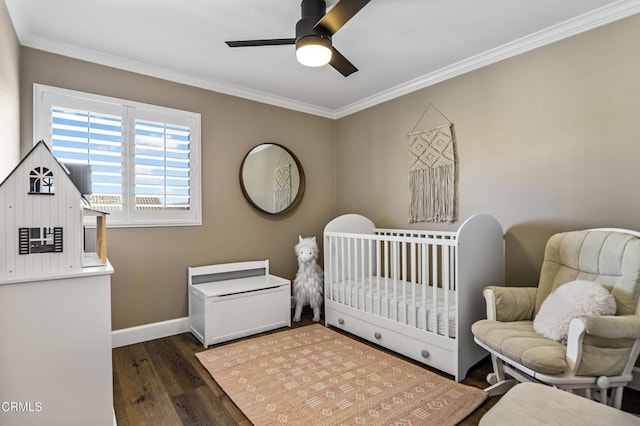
(348, 274)
(413, 287)
(361, 298)
(394, 258)
(331, 264)
(434, 283)
(452, 268)
(338, 267)
(445, 288)
(328, 267)
(354, 272)
(386, 275)
(370, 274)
(343, 256)
(425, 283)
(402, 304)
(378, 260)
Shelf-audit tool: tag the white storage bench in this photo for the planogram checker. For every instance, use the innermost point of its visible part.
(232, 300)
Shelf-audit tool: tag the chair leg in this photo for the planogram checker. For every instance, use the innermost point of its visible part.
(498, 380)
(603, 383)
(498, 371)
(501, 388)
(616, 396)
(603, 396)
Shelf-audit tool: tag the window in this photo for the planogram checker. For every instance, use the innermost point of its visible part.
(144, 159)
(40, 240)
(41, 181)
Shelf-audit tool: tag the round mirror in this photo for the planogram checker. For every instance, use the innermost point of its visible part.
(271, 178)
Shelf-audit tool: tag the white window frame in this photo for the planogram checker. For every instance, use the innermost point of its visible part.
(45, 97)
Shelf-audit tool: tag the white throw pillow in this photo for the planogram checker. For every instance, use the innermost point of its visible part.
(569, 301)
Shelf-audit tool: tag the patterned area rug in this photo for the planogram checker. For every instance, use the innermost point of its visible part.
(314, 375)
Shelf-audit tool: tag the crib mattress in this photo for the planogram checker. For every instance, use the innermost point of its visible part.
(399, 305)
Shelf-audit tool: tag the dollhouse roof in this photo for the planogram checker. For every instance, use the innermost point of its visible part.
(66, 171)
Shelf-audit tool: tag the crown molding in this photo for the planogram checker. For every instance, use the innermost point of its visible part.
(583, 23)
(588, 21)
(114, 61)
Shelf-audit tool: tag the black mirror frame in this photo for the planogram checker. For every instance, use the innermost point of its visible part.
(301, 184)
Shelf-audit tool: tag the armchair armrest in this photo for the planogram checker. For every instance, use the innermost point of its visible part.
(613, 327)
(610, 327)
(510, 303)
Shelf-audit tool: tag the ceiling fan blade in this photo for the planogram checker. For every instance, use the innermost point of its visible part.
(267, 42)
(342, 64)
(339, 15)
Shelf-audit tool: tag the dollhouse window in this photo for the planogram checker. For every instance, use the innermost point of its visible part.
(41, 181)
(40, 240)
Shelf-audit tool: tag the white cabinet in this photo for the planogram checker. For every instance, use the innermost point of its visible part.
(55, 350)
(233, 300)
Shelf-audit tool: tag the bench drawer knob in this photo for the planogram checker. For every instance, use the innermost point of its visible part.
(340, 321)
(377, 335)
(424, 353)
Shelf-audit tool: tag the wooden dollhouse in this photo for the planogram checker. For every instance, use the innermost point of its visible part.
(42, 220)
(55, 299)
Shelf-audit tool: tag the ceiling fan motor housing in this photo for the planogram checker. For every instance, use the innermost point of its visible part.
(313, 9)
(312, 12)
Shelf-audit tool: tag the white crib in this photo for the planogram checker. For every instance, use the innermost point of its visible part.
(412, 291)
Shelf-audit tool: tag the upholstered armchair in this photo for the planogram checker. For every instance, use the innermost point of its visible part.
(600, 351)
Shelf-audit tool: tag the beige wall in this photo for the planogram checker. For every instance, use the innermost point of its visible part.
(149, 284)
(547, 141)
(9, 94)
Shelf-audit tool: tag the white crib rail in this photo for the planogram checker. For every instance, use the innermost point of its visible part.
(404, 276)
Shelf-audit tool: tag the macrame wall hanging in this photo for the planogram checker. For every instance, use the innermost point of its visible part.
(282, 184)
(432, 172)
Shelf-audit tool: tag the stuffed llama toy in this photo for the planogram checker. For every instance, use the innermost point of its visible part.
(308, 284)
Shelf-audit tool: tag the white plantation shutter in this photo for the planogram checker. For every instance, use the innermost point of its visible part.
(162, 166)
(84, 137)
(144, 158)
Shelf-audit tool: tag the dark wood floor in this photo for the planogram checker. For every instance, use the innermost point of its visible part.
(160, 382)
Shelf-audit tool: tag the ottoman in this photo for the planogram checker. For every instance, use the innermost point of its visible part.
(535, 404)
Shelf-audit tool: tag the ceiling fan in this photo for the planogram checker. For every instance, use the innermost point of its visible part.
(313, 34)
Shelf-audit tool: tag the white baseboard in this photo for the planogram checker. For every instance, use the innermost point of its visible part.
(142, 333)
(635, 383)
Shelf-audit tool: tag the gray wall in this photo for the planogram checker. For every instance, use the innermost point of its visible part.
(547, 141)
(9, 94)
(149, 284)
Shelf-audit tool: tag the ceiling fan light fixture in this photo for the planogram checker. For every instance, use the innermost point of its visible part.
(313, 51)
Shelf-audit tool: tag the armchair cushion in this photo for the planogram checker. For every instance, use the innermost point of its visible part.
(607, 257)
(518, 341)
(513, 303)
(569, 301)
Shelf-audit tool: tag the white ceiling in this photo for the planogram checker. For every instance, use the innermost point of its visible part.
(398, 45)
